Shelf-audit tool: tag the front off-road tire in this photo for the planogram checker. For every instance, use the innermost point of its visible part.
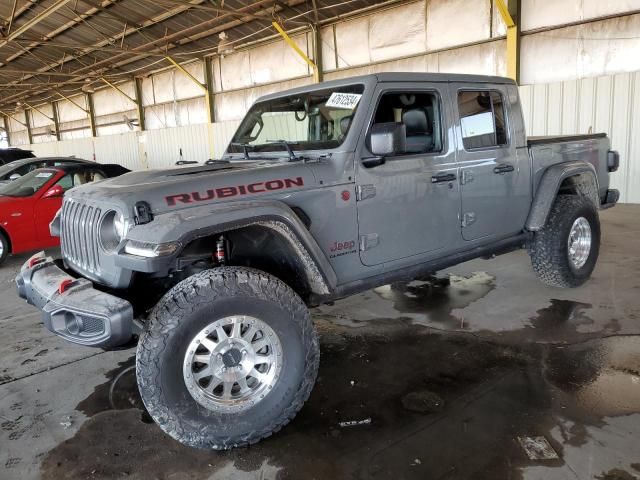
(564, 252)
(227, 306)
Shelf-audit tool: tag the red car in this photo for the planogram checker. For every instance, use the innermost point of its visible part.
(28, 204)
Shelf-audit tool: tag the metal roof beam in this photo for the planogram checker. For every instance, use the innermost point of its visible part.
(48, 11)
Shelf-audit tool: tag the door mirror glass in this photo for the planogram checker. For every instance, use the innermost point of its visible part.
(14, 176)
(387, 139)
(55, 191)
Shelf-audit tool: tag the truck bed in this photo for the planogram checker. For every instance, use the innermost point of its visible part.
(562, 138)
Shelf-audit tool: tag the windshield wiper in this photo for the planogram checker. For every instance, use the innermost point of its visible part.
(213, 161)
(287, 145)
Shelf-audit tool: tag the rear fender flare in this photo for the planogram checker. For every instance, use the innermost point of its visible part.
(189, 224)
(586, 183)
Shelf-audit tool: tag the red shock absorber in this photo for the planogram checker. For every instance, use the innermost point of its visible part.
(220, 251)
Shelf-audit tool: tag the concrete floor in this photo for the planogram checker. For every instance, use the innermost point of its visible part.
(456, 382)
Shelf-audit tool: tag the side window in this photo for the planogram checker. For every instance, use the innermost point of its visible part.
(420, 113)
(65, 182)
(482, 118)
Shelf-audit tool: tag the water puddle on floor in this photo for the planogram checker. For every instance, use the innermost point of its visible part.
(601, 378)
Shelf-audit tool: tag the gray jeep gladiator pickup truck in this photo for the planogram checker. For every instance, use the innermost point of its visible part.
(325, 191)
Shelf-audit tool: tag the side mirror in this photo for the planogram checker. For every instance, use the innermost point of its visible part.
(55, 191)
(14, 176)
(387, 139)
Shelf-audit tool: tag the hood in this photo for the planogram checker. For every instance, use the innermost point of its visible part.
(176, 188)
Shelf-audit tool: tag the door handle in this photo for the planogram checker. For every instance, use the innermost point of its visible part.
(503, 168)
(443, 177)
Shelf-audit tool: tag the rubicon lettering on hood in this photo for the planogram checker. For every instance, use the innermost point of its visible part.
(228, 192)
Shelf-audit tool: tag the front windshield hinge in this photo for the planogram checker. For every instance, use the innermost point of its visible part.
(245, 148)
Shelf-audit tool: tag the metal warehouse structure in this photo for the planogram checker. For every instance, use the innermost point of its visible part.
(150, 82)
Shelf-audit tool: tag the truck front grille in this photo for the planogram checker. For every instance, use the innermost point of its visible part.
(79, 225)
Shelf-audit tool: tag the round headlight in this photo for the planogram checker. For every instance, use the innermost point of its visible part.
(119, 226)
(112, 230)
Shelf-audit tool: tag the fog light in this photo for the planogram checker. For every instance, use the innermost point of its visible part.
(72, 323)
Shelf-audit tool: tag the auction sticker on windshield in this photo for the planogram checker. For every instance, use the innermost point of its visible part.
(343, 100)
(43, 174)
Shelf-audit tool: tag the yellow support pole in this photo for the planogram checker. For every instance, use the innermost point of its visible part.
(292, 44)
(513, 39)
(39, 111)
(119, 90)
(183, 70)
(71, 101)
(8, 115)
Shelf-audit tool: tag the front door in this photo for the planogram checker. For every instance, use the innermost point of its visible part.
(491, 176)
(409, 204)
(46, 209)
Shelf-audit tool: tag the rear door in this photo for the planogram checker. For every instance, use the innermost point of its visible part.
(492, 177)
(409, 205)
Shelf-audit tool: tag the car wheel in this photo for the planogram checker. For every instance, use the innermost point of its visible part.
(228, 357)
(4, 247)
(564, 252)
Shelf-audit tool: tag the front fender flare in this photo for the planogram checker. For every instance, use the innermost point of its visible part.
(550, 185)
(189, 224)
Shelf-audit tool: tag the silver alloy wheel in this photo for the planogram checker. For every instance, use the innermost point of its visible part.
(579, 242)
(1, 247)
(233, 363)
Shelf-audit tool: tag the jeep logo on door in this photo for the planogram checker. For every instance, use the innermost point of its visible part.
(234, 191)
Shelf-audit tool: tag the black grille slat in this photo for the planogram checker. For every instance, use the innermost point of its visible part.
(80, 224)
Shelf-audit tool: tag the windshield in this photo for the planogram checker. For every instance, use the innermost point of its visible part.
(306, 121)
(27, 185)
(8, 168)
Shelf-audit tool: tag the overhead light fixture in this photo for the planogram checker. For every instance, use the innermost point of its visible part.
(225, 47)
(88, 88)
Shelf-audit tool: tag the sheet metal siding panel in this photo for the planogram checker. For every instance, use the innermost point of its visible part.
(604, 47)
(456, 22)
(50, 149)
(609, 104)
(121, 149)
(163, 146)
(543, 13)
(222, 135)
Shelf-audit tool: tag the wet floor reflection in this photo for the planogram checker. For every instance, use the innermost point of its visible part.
(437, 297)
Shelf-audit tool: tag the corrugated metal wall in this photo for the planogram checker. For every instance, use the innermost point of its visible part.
(162, 147)
(608, 104)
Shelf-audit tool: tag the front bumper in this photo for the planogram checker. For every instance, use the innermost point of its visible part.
(75, 311)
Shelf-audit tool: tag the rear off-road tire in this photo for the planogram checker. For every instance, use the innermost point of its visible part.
(564, 252)
(213, 316)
